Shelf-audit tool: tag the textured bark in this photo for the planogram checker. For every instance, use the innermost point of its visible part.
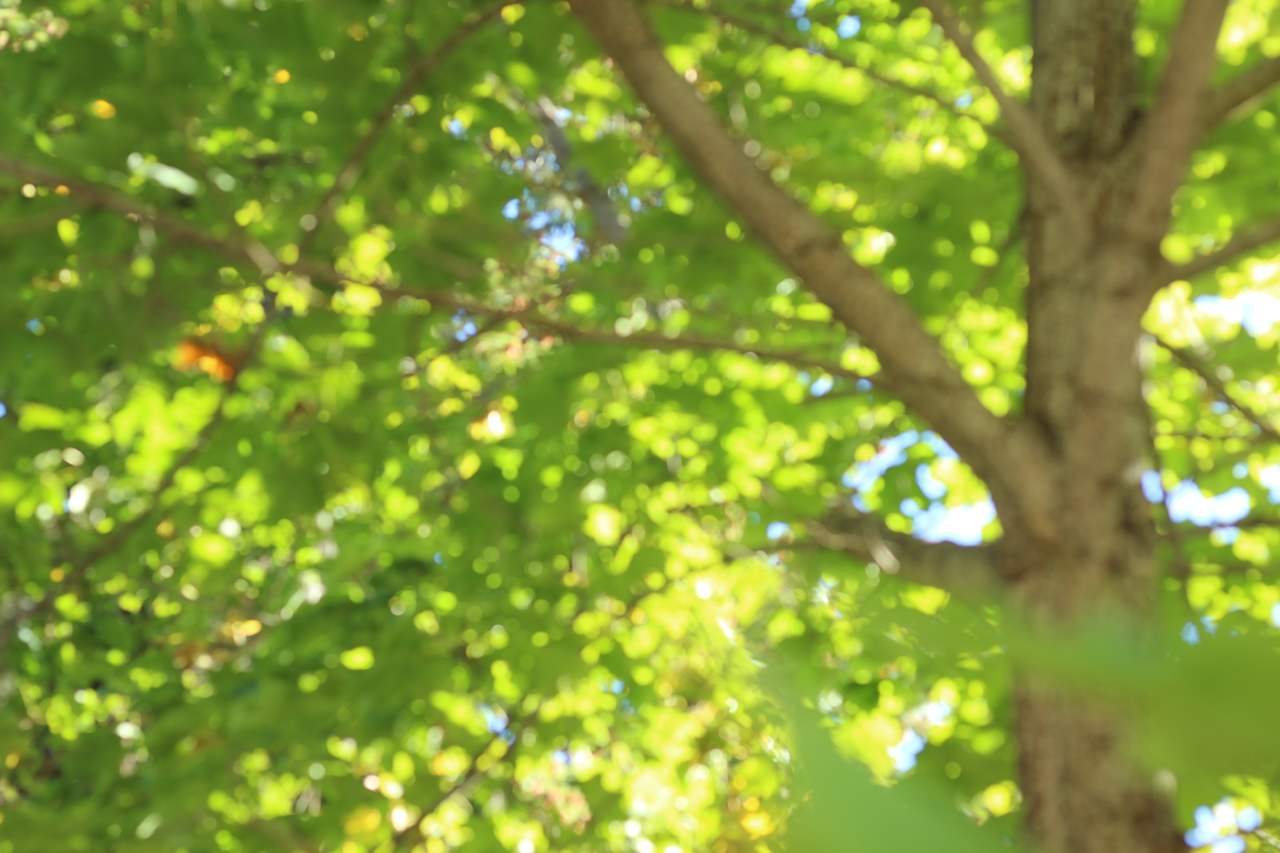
(1084, 305)
(1080, 791)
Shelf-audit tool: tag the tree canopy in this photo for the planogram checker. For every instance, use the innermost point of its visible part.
(639, 425)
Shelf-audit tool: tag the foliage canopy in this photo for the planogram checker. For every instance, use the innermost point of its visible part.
(402, 446)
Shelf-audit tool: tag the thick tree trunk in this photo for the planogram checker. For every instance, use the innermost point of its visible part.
(1082, 792)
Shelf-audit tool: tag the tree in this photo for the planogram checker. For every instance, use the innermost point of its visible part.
(451, 425)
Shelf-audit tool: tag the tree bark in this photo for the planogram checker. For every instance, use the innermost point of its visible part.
(1084, 304)
(1080, 791)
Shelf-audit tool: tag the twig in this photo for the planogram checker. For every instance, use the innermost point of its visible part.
(244, 249)
(1182, 563)
(1191, 361)
(865, 537)
(652, 340)
(1240, 244)
(326, 275)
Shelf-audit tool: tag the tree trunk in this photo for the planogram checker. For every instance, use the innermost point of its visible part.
(1082, 792)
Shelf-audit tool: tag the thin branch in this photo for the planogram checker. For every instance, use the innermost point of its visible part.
(835, 396)
(241, 249)
(652, 340)
(1262, 522)
(592, 194)
(1170, 130)
(942, 564)
(1182, 567)
(784, 40)
(916, 368)
(1025, 133)
(1272, 841)
(1239, 245)
(323, 274)
(411, 83)
(1239, 92)
(468, 780)
(1193, 362)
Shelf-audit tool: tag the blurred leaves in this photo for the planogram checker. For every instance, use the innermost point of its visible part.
(295, 564)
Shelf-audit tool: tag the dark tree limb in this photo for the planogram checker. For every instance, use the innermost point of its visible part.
(607, 222)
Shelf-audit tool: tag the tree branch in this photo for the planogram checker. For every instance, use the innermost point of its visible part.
(1170, 130)
(1182, 565)
(1240, 244)
(914, 365)
(1256, 522)
(608, 225)
(941, 564)
(1193, 362)
(651, 340)
(322, 274)
(1025, 133)
(783, 40)
(1239, 92)
(416, 75)
(243, 249)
